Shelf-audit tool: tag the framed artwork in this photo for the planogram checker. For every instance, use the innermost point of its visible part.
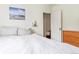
(16, 13)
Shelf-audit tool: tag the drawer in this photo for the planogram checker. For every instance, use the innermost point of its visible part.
(71, 38)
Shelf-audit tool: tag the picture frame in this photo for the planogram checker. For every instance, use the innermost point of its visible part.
(17, 13)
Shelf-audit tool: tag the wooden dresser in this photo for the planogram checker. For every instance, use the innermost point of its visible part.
(71, 37)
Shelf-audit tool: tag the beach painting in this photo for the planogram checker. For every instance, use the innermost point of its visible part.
(17, 13)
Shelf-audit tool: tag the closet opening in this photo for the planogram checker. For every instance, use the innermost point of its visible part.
(47, 25)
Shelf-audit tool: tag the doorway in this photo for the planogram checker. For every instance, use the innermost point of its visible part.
(47, 25)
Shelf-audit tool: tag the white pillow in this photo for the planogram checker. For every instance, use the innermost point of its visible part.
(4, 31)
(22, 31)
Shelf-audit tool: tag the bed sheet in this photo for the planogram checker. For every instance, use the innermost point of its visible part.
(34, 44)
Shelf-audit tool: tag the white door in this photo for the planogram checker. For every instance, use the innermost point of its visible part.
(56, 26)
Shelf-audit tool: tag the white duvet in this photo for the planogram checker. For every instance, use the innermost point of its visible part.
(34, 44)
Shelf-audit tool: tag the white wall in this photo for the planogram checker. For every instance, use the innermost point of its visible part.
(70, 15)
(33, 12)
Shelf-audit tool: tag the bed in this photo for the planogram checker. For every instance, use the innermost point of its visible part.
(33, 44)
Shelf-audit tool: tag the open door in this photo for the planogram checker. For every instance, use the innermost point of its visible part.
(56, 27)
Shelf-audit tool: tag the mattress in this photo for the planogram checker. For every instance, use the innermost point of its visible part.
(34, 44)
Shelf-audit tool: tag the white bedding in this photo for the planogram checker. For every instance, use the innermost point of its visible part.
(34, 44)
